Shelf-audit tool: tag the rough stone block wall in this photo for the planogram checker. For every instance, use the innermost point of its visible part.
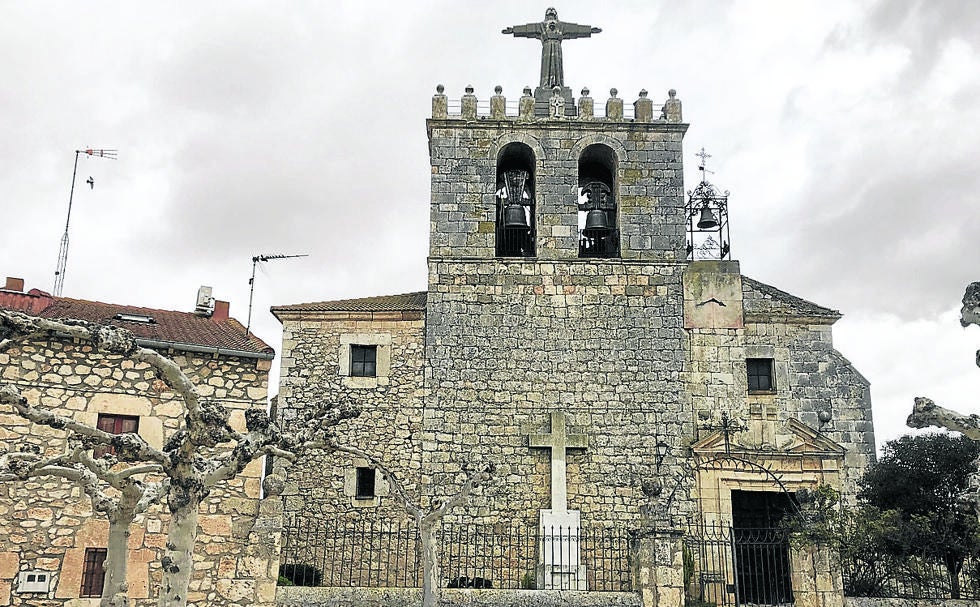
(509, 342)
(46, 524)
(320, 510)
(815, 377)
(648, 185)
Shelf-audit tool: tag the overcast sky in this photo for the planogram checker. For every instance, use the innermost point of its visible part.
(847, 132)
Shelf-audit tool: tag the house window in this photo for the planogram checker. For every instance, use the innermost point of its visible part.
(760, 375)
(363, 361)
(115, 424)
(365, 483)
(93, 572)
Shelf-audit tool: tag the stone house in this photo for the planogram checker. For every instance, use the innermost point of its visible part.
(51, 545)
(572, 333)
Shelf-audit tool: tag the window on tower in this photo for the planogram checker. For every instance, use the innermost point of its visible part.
(760, 376)
(515, 226)
(598, 222)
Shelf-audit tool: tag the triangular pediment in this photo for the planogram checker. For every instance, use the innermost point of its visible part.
(792, 437)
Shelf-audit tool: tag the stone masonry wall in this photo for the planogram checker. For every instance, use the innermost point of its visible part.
(648, 183)
(323, 517)
(391, 410)
(46, 524)
(811, 377)
(509, 342)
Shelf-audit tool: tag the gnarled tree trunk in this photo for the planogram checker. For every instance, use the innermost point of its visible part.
(430, 562)
(115, 588)
(178, 561)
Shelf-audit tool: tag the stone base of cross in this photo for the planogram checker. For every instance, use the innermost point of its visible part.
(559, 564)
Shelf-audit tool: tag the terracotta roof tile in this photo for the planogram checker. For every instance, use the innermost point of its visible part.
(167, 325)
(414, 302)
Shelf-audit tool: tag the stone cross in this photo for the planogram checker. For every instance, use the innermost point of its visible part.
(558, 441)
(551, 32)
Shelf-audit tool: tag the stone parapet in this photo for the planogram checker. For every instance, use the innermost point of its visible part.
(470, 107)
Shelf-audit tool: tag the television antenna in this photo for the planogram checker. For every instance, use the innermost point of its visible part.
(59, 272)
(251, 281)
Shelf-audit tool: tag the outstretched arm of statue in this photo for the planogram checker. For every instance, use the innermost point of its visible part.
(531, 30)
(574, 30)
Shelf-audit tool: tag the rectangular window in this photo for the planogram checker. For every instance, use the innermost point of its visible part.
(365, 483)
(93, 572)
(115, 424)
(760, 375)
(363, 361)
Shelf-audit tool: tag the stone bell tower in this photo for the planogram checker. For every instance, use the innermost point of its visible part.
(557, 247)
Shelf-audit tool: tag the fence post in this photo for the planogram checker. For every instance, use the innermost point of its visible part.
(817, 577)
(658, 570)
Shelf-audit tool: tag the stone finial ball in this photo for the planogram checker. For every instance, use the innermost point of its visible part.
(613, 92)
(585, 91)
(672, 93)
(527, 91)
(556, 89)
(273, 485)
(440, 88)
(643, 92)
(469, 89)
(498, 89)
(824, 416)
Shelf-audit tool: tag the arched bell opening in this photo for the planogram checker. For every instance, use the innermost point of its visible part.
(598, 219)
(515, 201)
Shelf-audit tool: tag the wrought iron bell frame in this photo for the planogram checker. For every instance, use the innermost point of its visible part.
(707, 240)
(515, 239)
(599, 236)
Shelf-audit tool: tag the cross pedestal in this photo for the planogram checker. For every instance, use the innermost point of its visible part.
(559, 566)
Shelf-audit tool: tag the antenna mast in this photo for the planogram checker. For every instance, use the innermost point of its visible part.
(251, 281)
(59, 272)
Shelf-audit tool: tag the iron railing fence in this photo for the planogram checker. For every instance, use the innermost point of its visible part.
(362, 553)
(732, 566)
(910, 577)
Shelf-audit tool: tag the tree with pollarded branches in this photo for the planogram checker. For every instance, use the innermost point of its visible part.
(194, 460)
(427, 520)
(927, 413)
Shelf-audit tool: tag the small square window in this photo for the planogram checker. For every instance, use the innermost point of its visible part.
(93, 572)
(760, 375)
(115, 424)
(363, 361)
(365, 483)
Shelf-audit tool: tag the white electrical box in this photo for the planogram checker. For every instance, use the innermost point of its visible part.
(34, 581)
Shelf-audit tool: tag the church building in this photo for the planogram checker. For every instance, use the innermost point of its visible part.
(586, 333)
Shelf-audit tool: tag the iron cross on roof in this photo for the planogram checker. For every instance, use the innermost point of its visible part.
(551, 32)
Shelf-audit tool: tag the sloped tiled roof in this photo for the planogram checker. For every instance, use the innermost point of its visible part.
(168, 326)
(760, 298)
(406, 302)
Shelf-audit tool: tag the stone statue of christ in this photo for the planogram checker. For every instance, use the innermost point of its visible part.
(551, 32)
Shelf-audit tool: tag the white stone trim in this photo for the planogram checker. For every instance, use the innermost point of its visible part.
(382, 362)
(381, 487)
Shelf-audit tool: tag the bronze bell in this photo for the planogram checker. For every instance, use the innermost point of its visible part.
(707, 220)
(596, 224)
(514, 217)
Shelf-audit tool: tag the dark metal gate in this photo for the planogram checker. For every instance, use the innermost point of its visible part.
(727, 566)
